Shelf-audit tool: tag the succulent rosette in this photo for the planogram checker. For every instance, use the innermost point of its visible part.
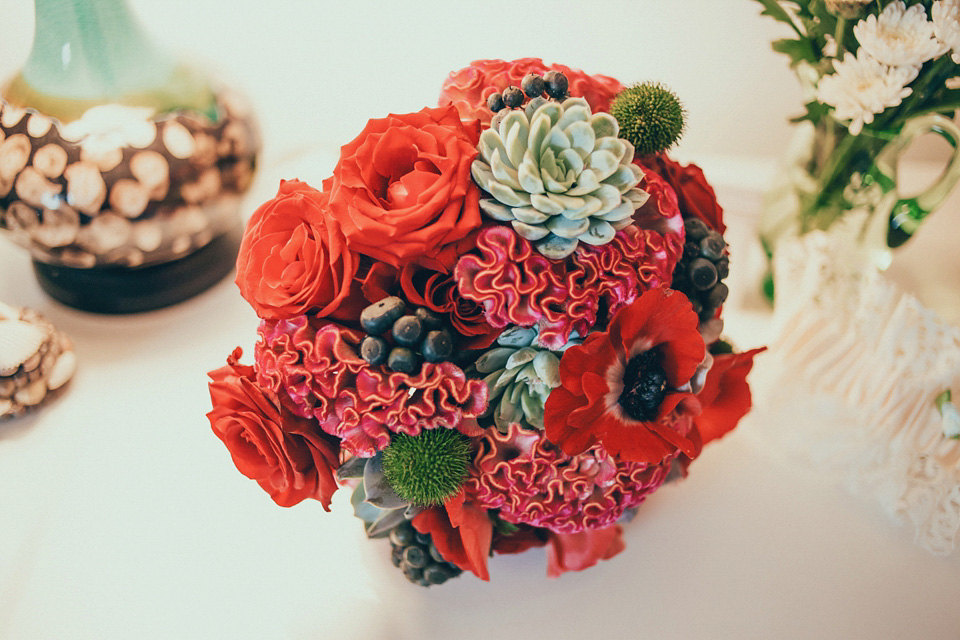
(498, 322)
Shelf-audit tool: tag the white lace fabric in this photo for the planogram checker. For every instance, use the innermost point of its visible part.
(850, 382)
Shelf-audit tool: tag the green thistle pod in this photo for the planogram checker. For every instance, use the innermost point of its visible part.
(650, 116)
(559, 174)
(428, 468)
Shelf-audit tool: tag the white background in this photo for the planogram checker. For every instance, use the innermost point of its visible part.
(122, 516)
(319, 69)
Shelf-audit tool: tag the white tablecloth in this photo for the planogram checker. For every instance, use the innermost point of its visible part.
(121, 515)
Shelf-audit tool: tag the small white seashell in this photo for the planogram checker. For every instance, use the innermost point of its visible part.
(32, 394)
(19, 341)
(63, 370)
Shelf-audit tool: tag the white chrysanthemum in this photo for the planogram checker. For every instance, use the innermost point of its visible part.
(862, 87)
(899, 36)
(946, 25)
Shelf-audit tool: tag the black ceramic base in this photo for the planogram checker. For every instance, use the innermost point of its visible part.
(131, 290)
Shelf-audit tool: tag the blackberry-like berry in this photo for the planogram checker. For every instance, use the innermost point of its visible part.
(415, 554)
(700, 272)
(495, 102)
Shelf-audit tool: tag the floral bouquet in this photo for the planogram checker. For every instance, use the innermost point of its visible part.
(498, 322)
(877, 74)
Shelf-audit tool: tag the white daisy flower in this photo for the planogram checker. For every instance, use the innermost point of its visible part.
(946, 25)
(899, 37)
(862, 87)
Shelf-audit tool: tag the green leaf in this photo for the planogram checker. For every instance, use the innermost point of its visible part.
(775, 10)
(797, 50)
(504, 527)
(816, 111)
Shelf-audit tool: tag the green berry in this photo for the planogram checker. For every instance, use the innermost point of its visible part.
(650, 116)
(428, 468)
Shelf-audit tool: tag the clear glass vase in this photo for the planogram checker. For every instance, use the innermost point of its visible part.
(832, 176)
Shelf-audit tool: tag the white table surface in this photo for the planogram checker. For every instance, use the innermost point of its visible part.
(122, 516)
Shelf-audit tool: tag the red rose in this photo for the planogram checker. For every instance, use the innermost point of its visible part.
(469, 88)
(694, 194)
(402, 191)
(438, 292)
(725, 396)
(623, 387)
(288, 456)
(293, 257)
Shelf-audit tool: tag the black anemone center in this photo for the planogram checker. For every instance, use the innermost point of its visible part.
(644, 386)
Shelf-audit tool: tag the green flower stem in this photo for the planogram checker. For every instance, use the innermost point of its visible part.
(840, 33)
(922, 98)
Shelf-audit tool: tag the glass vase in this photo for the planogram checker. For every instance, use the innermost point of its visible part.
(832, 176)
(121, 169)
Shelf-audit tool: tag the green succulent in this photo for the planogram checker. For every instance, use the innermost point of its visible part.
(650, 116)
(559, 174)
(520, 376)
(428, 468)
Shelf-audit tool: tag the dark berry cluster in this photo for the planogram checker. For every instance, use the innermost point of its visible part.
(401, 340)
(417, 556)
(701, 270)
(533, 85)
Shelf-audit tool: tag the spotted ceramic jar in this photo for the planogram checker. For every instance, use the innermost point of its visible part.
(122, 186)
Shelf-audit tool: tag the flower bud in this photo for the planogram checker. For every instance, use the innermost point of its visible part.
(849, 9)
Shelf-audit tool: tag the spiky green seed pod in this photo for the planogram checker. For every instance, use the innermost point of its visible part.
(650, 116)
(428, 468)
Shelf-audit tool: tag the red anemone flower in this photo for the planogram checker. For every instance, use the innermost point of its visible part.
(624, 387)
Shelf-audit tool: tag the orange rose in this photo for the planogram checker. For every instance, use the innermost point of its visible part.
(293, 257)
(402, 191)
